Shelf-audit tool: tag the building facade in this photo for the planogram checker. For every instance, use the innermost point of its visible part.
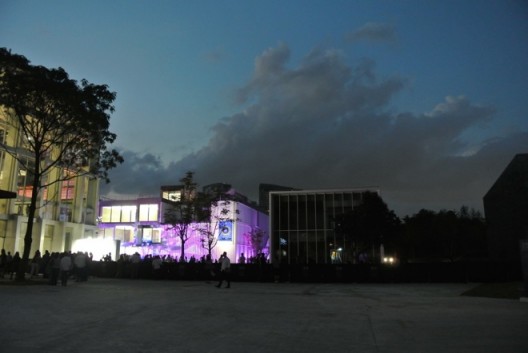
(302, 225)
(506, 210)
(138, 225)
(67, 210)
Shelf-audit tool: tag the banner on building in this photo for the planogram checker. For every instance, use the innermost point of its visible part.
(225, 231)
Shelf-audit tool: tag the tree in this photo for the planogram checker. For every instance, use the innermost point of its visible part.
(369, 224)
(256, 238)
(63, 125)
(473, 228)
(445, 234)
(419, 240)
(185, 210)
(214, 211)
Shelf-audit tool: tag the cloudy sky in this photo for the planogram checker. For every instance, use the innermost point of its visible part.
(427, 100)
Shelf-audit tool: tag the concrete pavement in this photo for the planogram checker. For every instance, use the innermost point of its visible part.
(107, 315)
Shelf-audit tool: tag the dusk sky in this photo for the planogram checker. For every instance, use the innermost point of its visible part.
(427, 100)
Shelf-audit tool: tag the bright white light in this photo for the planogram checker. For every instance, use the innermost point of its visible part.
(98, 247)
(388, 260)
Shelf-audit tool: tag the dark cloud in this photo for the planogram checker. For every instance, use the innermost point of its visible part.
(325, 124)
(373, 32)
(138, 175)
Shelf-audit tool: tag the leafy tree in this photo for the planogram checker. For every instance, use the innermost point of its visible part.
(63, 124)
(214, 211)
(256, 238)
(369, 224)
(473, 228)
(445, 234)
(419, 240)
(445, 229)
(185, 210)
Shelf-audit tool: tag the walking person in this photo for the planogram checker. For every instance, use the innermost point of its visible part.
(14, 264)
(225, 271)
(3, 263)
(34, 268)
(65, 268)
(79, 267)
(54, 268)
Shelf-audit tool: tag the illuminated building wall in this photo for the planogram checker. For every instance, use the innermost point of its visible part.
(67, 210)
(302, 229)
(129, 226)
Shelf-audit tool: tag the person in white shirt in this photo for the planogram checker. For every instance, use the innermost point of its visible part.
(225, 270)
(156, 266)
(80, 262)
(65, 268)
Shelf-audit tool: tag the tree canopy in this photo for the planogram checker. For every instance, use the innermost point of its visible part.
(59, 123)
(369, 224)
(445, 234)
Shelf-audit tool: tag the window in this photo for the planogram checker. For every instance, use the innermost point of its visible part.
(25, 178)
(172, 195)
(106, 213)
(118, 214)
(148, 212)
(68, 190)
(156, 235)
(128, 214)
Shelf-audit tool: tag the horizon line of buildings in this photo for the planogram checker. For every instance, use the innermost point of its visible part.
(298, 223)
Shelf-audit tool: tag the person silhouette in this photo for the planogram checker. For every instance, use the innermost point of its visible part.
(225, 271)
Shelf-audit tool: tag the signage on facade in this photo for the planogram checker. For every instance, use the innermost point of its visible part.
(225, 231)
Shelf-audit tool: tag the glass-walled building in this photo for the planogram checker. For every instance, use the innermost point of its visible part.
(302, 226)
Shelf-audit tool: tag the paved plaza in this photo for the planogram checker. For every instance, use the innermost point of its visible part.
(107, 315)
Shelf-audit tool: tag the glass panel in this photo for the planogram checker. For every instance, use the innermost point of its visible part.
(105, 214)
(108, 233)
(172, 195)
(357, 199)
(156, 235)
(319, 212)
(275, 212)
(347, 202)
(283, 212)
(294, 248)
(120, 234)
(321, 248)
(143, 213)
(153, 213)
(310, 212)
(311, 248)
(68, 190)
(128, 214)
(116, 214)
(302, 212)
(293, 214)
(147, 234)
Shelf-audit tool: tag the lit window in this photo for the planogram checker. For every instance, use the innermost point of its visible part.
(148, 213)
(106, 214)
(68, 189)
(116, 214)
(128, 214)
(172, 195)
(156, 235)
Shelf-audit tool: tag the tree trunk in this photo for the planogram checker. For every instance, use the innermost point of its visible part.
(28, 238)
